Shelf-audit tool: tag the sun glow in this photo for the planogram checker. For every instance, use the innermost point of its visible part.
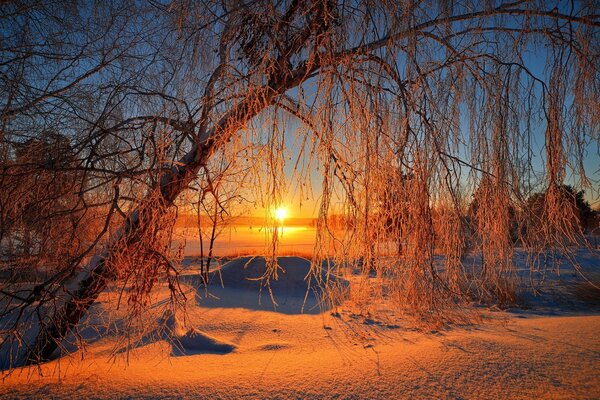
(280, 214)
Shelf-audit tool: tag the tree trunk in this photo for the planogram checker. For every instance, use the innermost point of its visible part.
(64, 320)
(96, 275)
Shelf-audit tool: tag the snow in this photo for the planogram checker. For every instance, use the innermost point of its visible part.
(186, 341)
(230, 346)
(245, 283)
(197, 342)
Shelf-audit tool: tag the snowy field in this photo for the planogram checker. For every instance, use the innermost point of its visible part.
(233, 343)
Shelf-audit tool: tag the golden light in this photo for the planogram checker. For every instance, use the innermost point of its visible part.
(280, 214)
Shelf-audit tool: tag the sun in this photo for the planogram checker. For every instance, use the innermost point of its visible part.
(281, 214)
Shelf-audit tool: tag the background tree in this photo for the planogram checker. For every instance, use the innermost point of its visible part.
(575, 207)
(43, 219)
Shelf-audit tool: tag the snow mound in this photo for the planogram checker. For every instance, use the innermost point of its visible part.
(197, 342)
(294, 288)
(191, 341)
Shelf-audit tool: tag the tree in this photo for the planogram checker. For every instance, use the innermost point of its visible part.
(41, 220)
(149, 93)
(584, 209)
(578, 211)
(219, 201)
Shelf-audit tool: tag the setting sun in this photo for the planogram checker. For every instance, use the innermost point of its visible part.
(281, 214)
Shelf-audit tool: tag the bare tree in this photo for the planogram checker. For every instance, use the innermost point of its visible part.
(147, 95)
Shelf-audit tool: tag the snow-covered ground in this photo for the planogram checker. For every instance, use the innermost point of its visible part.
(234, 343)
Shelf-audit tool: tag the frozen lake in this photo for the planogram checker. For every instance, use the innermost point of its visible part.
(238, 239)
